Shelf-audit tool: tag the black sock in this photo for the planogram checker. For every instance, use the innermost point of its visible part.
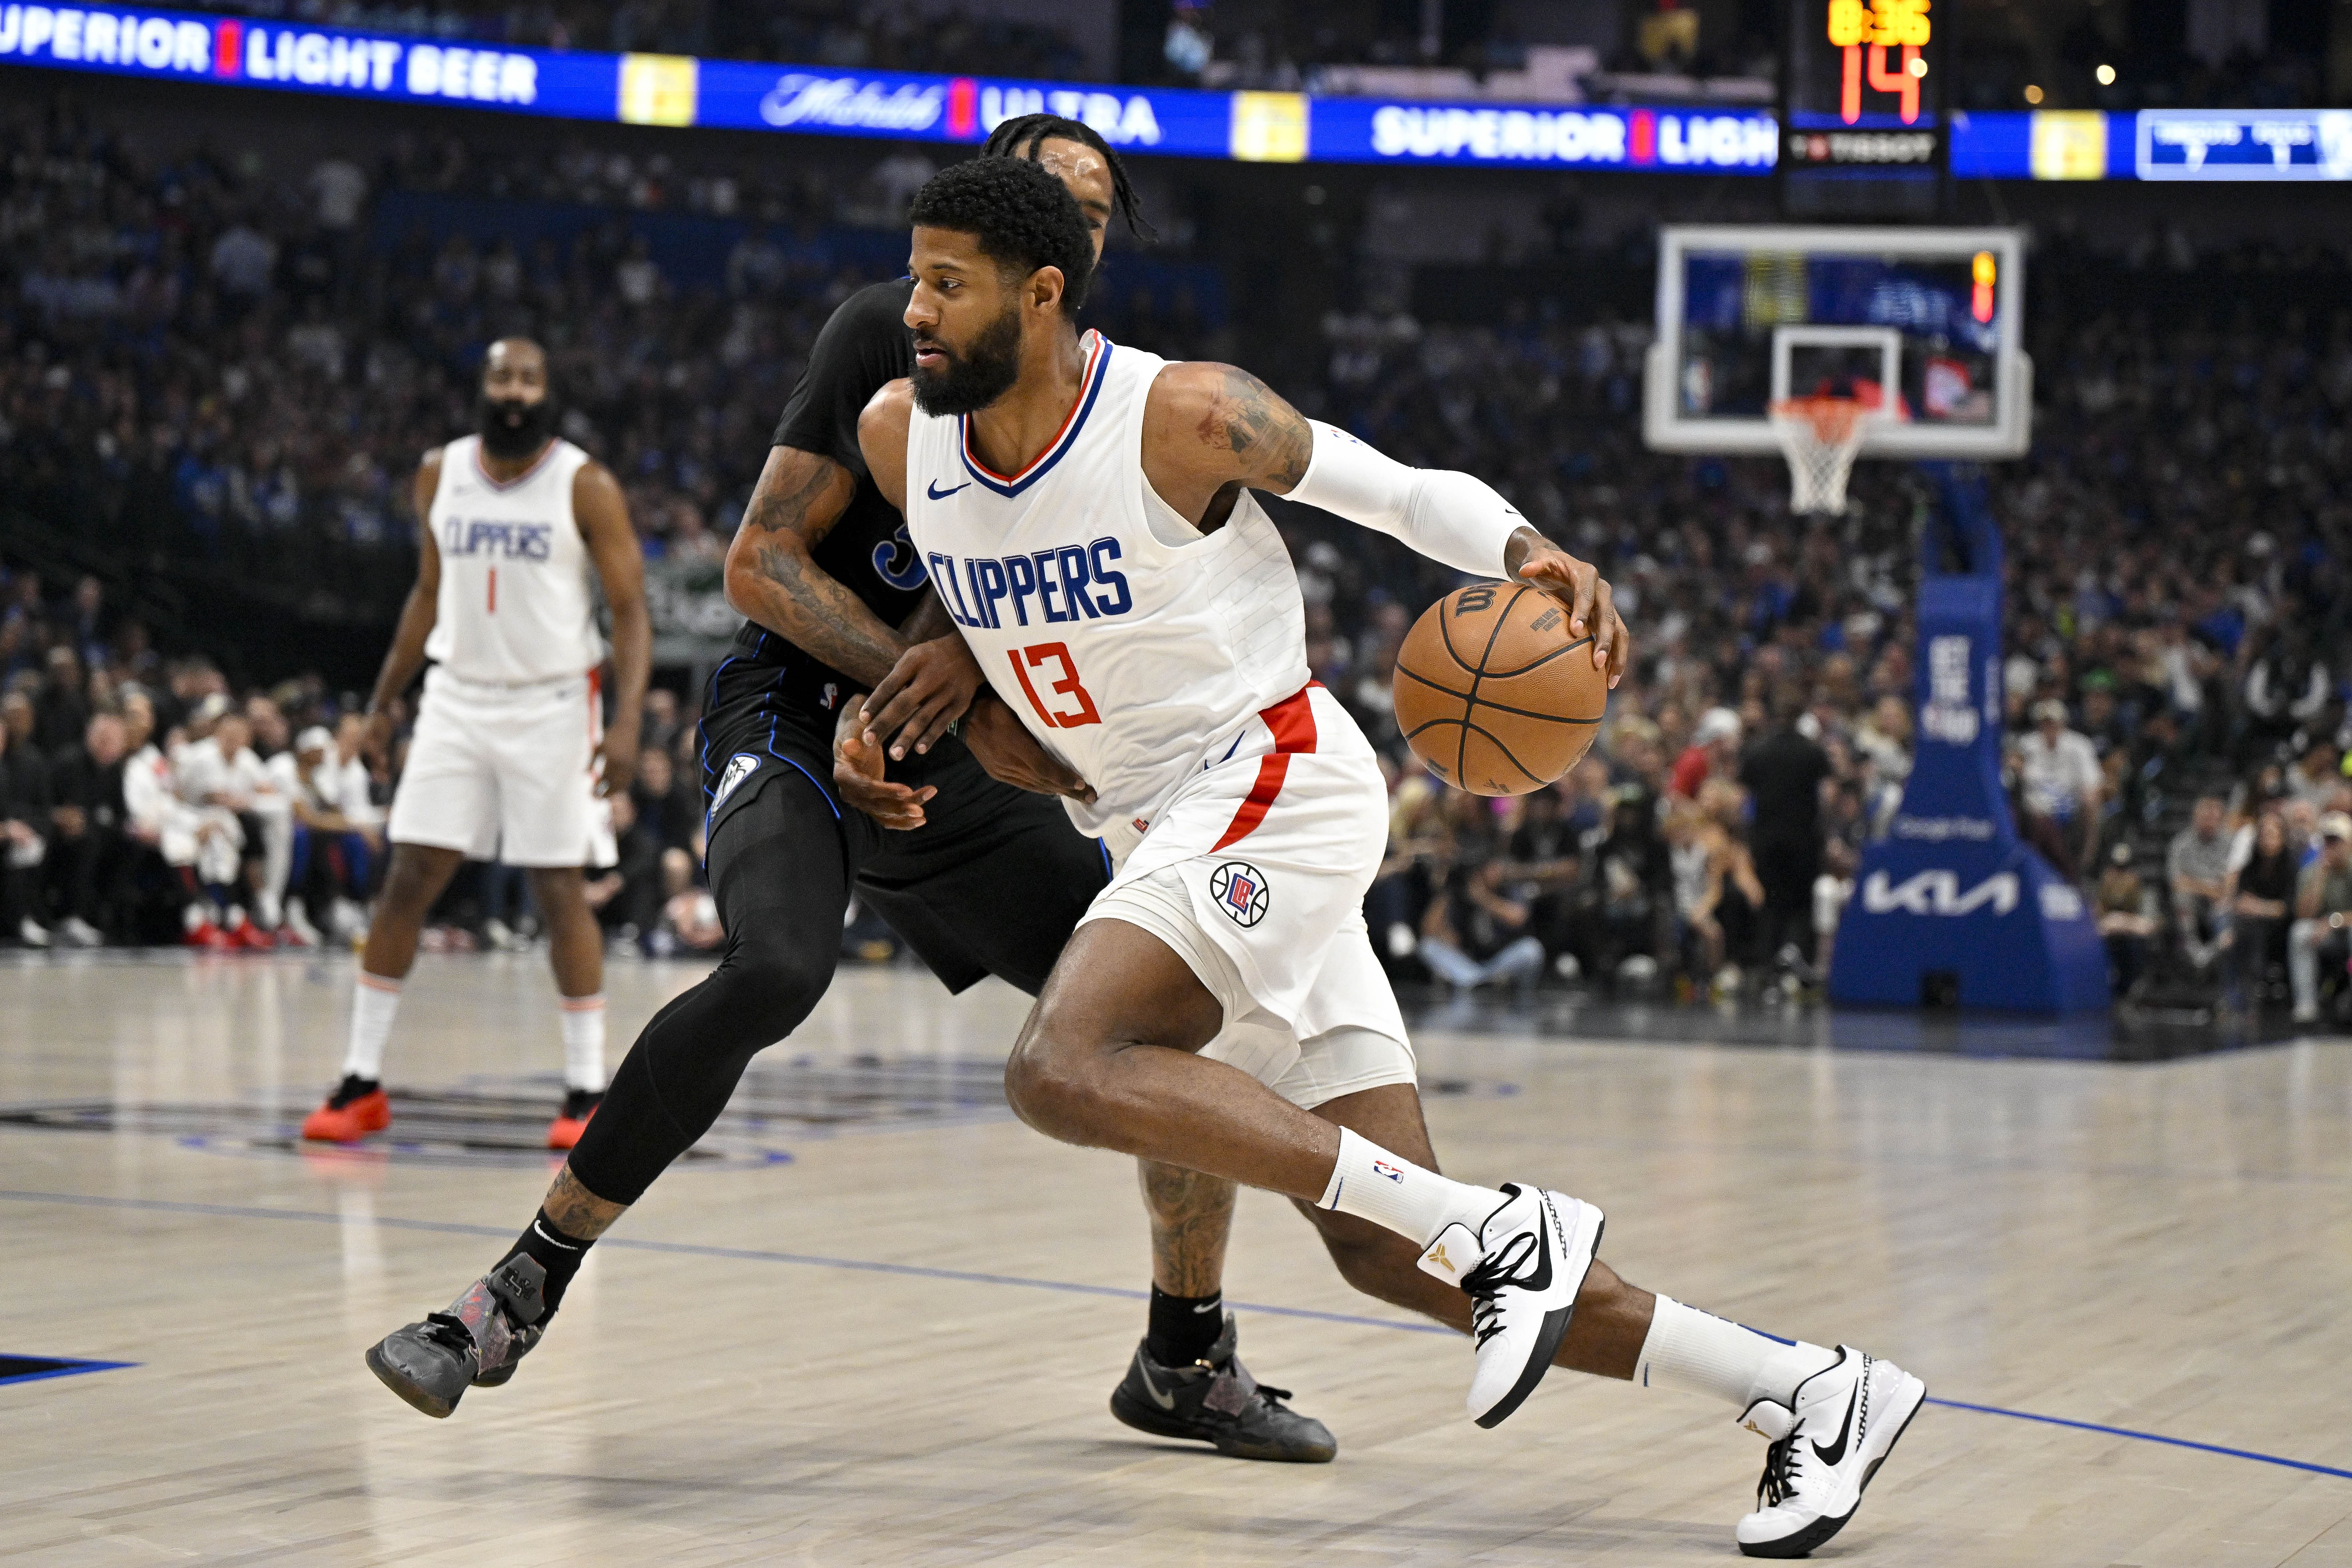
(1183, 1328)
(552, 1250)
(353, 1087)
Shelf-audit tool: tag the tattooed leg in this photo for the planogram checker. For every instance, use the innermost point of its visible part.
(1191, 1219)
(576, 1211)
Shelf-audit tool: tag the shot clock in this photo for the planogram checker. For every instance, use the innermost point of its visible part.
(1863, 127)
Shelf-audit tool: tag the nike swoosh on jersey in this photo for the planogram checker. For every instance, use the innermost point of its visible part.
(933, 491)
(1831, 1456)
(1165, 1401)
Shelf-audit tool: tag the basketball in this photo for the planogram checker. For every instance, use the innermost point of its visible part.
(1494, 693)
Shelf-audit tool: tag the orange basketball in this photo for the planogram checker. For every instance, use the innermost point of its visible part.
(1494, 694)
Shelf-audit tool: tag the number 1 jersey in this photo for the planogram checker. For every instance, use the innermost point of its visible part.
(1133, 645)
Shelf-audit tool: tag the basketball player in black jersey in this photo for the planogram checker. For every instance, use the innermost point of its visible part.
(979, 876)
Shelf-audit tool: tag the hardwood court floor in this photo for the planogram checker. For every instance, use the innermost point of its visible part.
(878, 1323)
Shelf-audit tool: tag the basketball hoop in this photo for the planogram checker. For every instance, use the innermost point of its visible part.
(1820, 436)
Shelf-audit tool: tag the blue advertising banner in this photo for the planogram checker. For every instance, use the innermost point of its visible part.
(1368, 130)
(1268, 127)
(906, 106)
(249, 53)
(1951, 902)
(2242, 144)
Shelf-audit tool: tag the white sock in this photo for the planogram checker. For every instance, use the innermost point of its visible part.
(1392, 1191)
(584, 1043)
(374, 1004)
(1701, 1353)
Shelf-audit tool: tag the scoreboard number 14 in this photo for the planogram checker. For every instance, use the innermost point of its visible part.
(1866, 32)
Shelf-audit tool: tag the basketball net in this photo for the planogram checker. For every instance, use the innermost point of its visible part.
(1820, 436)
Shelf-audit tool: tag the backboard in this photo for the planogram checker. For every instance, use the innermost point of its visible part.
(1751, 314)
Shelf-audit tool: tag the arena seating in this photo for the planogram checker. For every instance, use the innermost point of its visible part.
(238, 381)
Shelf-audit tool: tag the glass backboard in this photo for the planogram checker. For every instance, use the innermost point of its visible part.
(1924, 325)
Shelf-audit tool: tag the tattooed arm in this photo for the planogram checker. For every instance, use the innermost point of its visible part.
(1211, 430)
(773, 578)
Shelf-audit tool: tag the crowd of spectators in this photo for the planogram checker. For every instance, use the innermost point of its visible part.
(243, 374)
(2176, 626)
(264, 373)
(143, 801)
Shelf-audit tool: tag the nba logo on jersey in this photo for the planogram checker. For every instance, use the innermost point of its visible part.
(1239, 889)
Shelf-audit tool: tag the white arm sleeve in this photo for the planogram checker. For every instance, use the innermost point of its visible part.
(1444, 515)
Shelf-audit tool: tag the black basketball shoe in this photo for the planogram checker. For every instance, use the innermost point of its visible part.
(476, 1343)
(1215, 1400)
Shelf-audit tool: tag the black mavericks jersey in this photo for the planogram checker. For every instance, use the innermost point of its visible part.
(863, 347)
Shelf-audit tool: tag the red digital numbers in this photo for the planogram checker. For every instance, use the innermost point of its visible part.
(1877, 27)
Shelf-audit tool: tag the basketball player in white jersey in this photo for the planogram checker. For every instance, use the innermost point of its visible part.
(1086, 510)
(510, 757)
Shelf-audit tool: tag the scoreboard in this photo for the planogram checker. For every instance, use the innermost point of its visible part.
(1864, 133)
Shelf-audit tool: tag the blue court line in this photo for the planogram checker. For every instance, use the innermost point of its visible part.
(966, 1277)
(699, 1249)
(72, 1368)
(2144, 1437)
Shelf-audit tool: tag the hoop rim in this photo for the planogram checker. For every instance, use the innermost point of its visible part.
(1834, 421)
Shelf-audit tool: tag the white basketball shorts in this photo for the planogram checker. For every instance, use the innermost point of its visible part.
(1255, 874)
(507, 772)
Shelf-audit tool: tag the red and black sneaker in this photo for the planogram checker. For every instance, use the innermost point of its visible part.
(356, 1108)
(579, 1105)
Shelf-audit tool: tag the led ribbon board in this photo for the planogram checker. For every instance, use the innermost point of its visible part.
(1867, 75)
(180, 45)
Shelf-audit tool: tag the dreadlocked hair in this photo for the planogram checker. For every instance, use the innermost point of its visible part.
(1023, 218)
(1023, 134)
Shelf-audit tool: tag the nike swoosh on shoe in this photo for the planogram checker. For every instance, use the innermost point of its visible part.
(1831, 1455)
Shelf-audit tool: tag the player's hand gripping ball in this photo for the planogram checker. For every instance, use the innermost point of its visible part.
(1494, 693)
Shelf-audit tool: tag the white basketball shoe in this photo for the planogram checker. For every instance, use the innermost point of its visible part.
(1827, 1443)
(1521, 1269)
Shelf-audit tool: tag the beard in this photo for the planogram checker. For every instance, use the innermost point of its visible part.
(983, 371)
(511, 428)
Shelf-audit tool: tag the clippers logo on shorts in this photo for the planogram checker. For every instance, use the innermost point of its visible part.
(1239, 889)
(740, 766)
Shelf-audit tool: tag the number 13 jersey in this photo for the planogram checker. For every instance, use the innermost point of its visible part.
(1132, 645)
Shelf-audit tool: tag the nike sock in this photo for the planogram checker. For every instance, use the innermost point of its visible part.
(373, 1006)
(584, 1043)
(1184, 1328)
(559, 1254)
(1397, 1195)
(1701, 1353)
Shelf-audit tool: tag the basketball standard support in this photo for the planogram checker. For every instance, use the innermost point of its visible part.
(1951, 907)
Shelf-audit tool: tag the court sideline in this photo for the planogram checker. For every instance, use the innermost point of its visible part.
(827, 1344)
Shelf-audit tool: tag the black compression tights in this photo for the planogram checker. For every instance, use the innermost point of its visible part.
(782, 884)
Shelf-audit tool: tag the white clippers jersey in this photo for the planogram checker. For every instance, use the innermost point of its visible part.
(518, 602)
(1130, 643)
